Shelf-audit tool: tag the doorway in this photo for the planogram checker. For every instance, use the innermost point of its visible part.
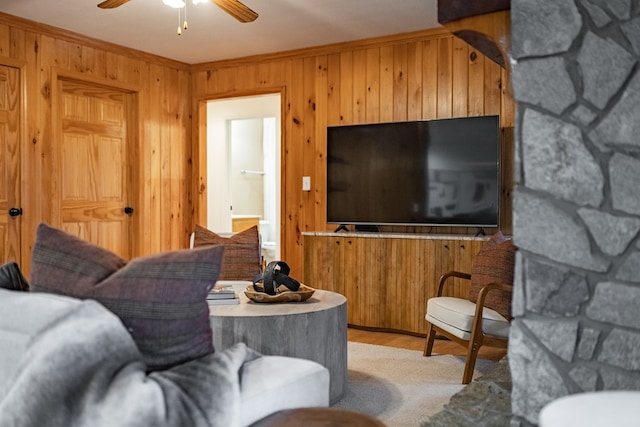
(243, 167)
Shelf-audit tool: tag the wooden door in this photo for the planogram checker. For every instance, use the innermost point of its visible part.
(95, 175)
(9, 165)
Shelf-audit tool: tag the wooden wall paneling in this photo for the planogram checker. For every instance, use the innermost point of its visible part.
(228, 79)
(18, 46)
(445, 78)
(176, 160)
(400, 83)
(334, 89)
(414, 81)
(198, 165)
(493, 89)
(31, 149)
(430, 79)
(386, 84)
(179, 177)
(460, 78)
(476, 91)
(359, 86)
(184, 228)
(308, 145)
(319, 166)
(507, 105)
(346, 88)
(507, 180)
(372, 81)
(167, 120)
(5, 41)
(294, 163)
(152, 160)
(46, 118)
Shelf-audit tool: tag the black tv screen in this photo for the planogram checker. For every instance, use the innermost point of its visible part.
(434, 172)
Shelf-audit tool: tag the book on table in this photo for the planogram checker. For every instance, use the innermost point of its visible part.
(221, 292)
(224, 301)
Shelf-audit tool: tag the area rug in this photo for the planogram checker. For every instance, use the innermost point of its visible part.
(400, 387)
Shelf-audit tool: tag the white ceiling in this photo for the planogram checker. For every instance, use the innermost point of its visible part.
(150, 26)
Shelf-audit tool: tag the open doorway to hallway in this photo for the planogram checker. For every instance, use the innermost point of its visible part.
(243, 167)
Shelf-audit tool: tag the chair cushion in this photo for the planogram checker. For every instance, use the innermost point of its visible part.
(455, 315)
(494, 263)
(160, 298)
(242, 252)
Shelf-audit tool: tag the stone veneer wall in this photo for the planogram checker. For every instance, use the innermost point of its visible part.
(576, 219)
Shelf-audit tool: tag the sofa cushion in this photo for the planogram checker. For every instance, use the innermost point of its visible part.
(160, 298)
(11, 277)
(23, 316)
(78, 366)
(494, 263)
(266, 380)
(242, 252)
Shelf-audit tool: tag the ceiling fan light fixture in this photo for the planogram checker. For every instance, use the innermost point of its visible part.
(176, 4)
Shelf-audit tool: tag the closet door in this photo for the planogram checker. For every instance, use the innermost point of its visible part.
(95, 174)
(10, 208)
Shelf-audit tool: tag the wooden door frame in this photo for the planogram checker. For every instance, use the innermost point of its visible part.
(199, 151)
(134, 132)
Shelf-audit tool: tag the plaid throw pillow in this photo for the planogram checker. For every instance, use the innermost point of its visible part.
(241, 255)
(494, 263)
(161, 299)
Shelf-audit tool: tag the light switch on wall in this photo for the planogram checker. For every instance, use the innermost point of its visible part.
(306, 183)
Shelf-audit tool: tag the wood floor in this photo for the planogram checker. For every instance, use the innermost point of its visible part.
(411, 342)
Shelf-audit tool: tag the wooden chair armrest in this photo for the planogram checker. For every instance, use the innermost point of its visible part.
(483, 294)
(447, 275)
(490, 287)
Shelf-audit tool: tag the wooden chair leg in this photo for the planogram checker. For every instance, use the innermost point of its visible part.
(428, 345)
(470, 364)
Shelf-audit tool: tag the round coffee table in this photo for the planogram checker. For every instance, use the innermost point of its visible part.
(315, 329)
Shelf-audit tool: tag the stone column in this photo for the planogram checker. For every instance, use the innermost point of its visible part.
(576, 219)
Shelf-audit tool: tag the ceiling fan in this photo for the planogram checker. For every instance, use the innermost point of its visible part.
(233, 7)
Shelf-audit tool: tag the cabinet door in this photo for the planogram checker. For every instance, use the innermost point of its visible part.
(9, 164)
(323, 263)
(367, 269)
(408, 267)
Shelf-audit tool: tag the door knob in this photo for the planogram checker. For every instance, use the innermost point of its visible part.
(15, 211)
(128, 210)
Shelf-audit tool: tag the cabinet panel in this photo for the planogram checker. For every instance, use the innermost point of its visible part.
(386, 280)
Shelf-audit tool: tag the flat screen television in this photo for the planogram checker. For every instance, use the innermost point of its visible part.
(443, 172)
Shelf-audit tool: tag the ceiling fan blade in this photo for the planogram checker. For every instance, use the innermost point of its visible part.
(236, 9)
(110, 4)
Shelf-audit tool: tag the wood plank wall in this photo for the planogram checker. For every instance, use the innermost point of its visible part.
(424, 75)
(163, 128)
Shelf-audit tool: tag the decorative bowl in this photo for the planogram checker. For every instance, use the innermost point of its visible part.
(302, 294)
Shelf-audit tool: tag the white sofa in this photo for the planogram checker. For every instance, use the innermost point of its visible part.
(65, 361)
